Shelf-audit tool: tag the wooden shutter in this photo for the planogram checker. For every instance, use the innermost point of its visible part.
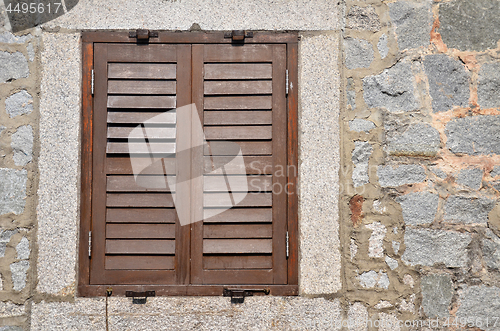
(136, 236)
(239, 91)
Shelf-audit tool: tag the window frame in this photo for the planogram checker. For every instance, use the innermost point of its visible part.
(89, 39)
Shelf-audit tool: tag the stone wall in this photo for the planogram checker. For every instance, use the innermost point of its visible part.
(401, 224)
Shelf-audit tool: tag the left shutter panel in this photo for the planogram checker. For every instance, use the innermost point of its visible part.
(135, 228)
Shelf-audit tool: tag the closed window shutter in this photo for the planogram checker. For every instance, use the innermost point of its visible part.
(136, 234)
(239, 91)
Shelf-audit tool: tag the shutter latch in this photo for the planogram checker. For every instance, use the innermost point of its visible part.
(286, 82)
(238, 35)
(140, 297)
(90, 244)
(143, 35)
(238, 294)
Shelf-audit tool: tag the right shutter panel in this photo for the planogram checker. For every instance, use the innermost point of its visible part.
(239, 92)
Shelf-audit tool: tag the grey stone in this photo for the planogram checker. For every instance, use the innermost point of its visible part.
(427, 247)
(9, 38)
(491, 251)
(474, 135)
(360, 158)
(376, 241)
(400, 175)
(393, 89)
(9, 309)
(363, 18)
(371, 278)
(357, 317)
(31, 52)
(351, 93)
(460, 209)
(11, 328)
(5, 236)
(383, 49)
(359, 53)
(18, 271)
(23, 249)
(480, 303)
(13, 66)
(19, 103)
(470, 25)
(495, 172)
(393, 264)
(438, 172)
(419, 208)
(22, 145)
(360, 125)
(470, 177)
(413, 21)
(448, 82)
(12, 190)
(418, 140)
(395, 247)
(437, 292)
(489, 85)
(2, 128)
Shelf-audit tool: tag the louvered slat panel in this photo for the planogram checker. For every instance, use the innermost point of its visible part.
(142, 215)
(141, 87)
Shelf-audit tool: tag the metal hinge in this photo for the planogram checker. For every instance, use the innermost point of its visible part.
(238, 294)
(92, 83)
(140, 297)
(287, 245)
(286, 86)
(90, 244)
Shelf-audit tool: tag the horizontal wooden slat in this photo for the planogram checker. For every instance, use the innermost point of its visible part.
(245, 102)
(250, 200)
(140, 231)
(141, 87)
(140, 117)
(141, 70)
(141, 183)
(140, 246)
(239, 71)
(140, 101)
(151, 132)
(254, 165)
(237, 246)
(140, 262)
(238, 132)
(215, 231)
(140, 148)
(249, 277)
(237, 262)
(123, 166)
(254, 183)
(139, 200)
(143, 215)
(238, 87)
(144, 53)
(230, 53)
(246, 147)
(251, 215)
(245, 117)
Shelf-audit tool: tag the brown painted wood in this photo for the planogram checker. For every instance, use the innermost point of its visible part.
(293, 152)
(238, 71)
(238, 132)
(215, 231)
(123, 132)
(279, 161)
(140, 246)
(141, 87)
(141, 71)
(158, 148)
(142, 53)
(237, 246)
(86, 181)
(218, 200)
(140, 117)
(123, 166)
(225, 262)
(245, 102)
(139, 101)
(230, 277)
(242, 215)
(140, 184)
(142, 215)
(238, 87)
(121, 262)
(228, 117)
(133, 200)
(140, 231)
(254, 165)
(246, 147)
(230, 53)
(254, 184)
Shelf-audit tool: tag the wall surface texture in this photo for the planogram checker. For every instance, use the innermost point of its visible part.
(399, 174)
